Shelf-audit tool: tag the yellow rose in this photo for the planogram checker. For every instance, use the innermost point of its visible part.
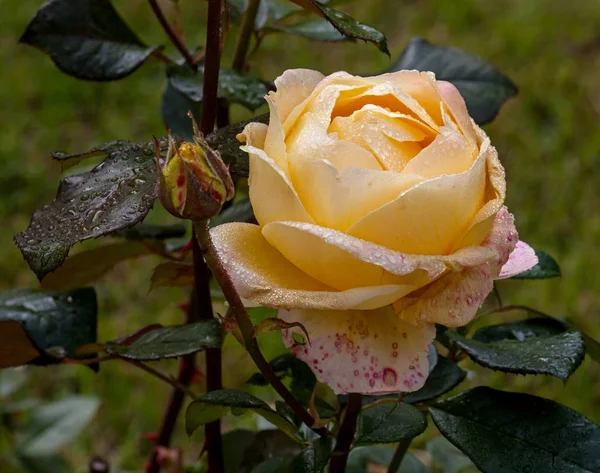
(380, 210)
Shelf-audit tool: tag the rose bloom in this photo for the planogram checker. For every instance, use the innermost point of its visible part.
(380, 210)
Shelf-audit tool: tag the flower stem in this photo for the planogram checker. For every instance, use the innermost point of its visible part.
(401, 450)
(245, 325)
(343, 442)
(175, 39)
(243, 40)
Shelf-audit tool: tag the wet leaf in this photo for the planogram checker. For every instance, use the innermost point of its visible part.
(87, 39)
(364, 459)
(169, 342)
(216, 404)
(504, 432)
(238, 212)
(314, 458)
(116, 194)
(61, 321)
(319, 30)
(444, 377)
(174, 108)
(267, 445)
(556, 355)
(447, 457)
(483, 87)
(389, 422)
(546, 268)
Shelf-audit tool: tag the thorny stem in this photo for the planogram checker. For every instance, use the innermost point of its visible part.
(245, 325)
(246, 30)
(401, 450)
(175, 39)
(345, 435)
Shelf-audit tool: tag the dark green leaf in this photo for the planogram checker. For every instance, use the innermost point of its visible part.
(234, 86)
(362, 459)
(116, 194)
(69, 160)
(447, 457)
(54, 425)
(320, 30)
(443, 378)
(314, 458)
(520, 330)
(90, 265)
(546, 268)
(483, 87)
(513, 433)
(216, 404)
(174, 108)
(235, 443)
(172, 274)
(86, 39)
(345, 24)
(225, 142)
(268, 444)
(239, 212)
(389, 422)
(273, 465)
(64, 320)
(170, 342)
(557, 355)
(144, 231)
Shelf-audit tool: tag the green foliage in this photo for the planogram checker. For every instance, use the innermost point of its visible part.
(169, 342)
(557, 354)
(444, 377)
(362, 460)
(58, 322)
(483, 87)
(145, 231)
(447, 457)
(116, 194)
(546, 268)
(320, 30)
(87, 39)
(509, 432)
(389, 422)
(175, 108)
(239, 212)
(313, 458)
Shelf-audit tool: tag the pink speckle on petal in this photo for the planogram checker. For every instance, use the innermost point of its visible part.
(395, 354)
(389, 377)
(394, 345)
(372, 383)
(404, 335)
(355, 372)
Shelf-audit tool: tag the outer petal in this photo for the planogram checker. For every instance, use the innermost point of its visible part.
(366, 352)
(293, 87)
(431, 217)
(254, 134)
(458, 109)
(453, 299)
(267, 180)
(262, 275)
(521, 259)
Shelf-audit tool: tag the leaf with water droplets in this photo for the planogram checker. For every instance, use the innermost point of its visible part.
(116, 194)
(51, 320)
(444, 377)
(546, 268)
(506, 432)
(524, 347)
(389, 422)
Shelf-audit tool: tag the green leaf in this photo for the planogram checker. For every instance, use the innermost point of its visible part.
(90, 265)
(116, 194)
(506, 432)
(389, 422)
(362, 460)
(266, 445)
(69, 160)
(54, 425)
(44, 464)
(520, 330)
(52, 319)
(235, 443)
(144, 231)
(86, 39)
(556, 355)
(172, 274)
(447, 457)
(345, 24)
(278, 464)
(483, 87)
(239, 212)
(443, 378)
(225, 142)
(11, 381)
(174, 108)
(546, 268)
(234, 86)
(170, 342)
(215, 404)
(320, 30)
(314, 458)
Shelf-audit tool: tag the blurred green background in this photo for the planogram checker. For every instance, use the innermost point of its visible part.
(548, 139)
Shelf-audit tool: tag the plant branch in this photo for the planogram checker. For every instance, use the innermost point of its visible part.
(243, 40)
(177, 384)
(401, 450)
(175, 39)
(245, 325)
(345, 435)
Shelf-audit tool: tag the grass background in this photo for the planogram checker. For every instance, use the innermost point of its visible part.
(548, 139)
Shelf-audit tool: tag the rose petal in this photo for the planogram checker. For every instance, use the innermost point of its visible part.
(458, 109)
(275, 146)
(293, 87)
(267, 180)
(261, 274)
(254, 134)
(369, 352)
(521, 259)
(431, 217)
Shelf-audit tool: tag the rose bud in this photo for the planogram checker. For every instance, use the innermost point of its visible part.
(194, 181)
(381, 213)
